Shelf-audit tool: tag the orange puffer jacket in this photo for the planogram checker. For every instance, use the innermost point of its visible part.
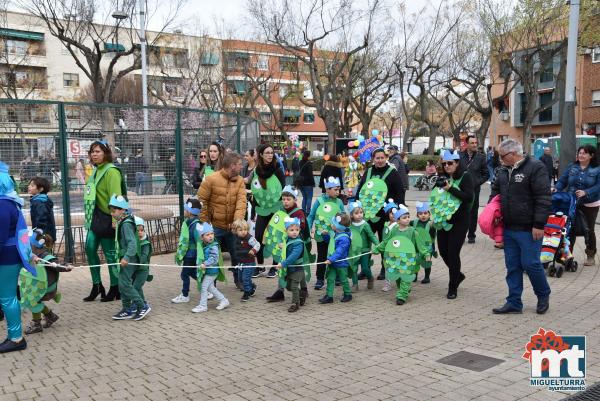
(223, 199)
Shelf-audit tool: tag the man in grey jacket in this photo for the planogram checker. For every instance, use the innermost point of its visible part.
(475, 163)
(396, 161)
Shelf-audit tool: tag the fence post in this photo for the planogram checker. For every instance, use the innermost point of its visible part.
(179, 162)
(64, 182)
(238, 133)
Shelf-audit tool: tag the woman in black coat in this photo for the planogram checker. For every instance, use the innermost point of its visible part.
(332, 168)
(306, 181)
(450, 242)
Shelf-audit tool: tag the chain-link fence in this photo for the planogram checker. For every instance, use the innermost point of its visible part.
(51, 139)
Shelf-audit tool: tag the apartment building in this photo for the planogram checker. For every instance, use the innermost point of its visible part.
(508, 114)
(282, 81)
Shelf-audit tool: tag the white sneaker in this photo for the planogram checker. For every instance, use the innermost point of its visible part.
(199, 309)
(210, 295)
(180, 299)
(386, 286)
(223, 304)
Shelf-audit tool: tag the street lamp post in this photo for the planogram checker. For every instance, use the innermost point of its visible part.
(142, 11)
(567, 132)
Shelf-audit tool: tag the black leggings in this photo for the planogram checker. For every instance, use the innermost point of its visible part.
(377, 228)
(449, 245)
(322, 248)
(259, 231)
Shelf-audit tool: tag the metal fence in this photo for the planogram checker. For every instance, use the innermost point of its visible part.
(51, 139)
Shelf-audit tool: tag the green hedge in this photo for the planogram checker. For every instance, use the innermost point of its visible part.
(419, 162)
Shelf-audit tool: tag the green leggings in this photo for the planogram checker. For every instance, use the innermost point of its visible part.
(108, 248)
(38, 316)
(404, 283)
(341, 273)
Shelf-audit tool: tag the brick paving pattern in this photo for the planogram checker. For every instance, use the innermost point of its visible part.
(368, 349)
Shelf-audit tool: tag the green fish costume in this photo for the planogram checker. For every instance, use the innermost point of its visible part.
(220, 274)
(372, 193)
(274, 236)
(426, 240)
(325, 212)
(268, 200)
(184, 243)
(306, 260)
(443, 205)
(36, 289)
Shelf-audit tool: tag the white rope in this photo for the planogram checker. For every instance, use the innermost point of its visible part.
(211, 267)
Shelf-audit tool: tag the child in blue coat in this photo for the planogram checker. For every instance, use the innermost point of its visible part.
(41, 206)
(337, 265)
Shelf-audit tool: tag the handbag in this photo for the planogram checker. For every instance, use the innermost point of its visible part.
(102, 224)
(581, 228)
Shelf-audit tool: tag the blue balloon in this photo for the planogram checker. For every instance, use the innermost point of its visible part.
(375, 132)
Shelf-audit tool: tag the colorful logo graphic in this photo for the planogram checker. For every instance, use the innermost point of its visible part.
(557, 362)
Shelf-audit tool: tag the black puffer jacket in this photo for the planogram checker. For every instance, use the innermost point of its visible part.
(525, 195)
(476, 166)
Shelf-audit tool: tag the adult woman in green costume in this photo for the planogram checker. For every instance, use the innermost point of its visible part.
(105, 181)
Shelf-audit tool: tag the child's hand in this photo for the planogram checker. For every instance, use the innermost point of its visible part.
(279, 266)
(328, 262)
(203, 266)
(124, 262)
(252, 252)
(68, 268)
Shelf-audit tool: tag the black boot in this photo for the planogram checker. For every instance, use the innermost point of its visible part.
(112, 295)
(277, 296)
(97, 289)
(303, 296)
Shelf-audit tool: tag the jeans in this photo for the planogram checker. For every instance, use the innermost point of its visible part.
(245, 276)
(490, 168)
(228, 238)
(307, 194)
(9, 276)
(522, 253)
(140, 179)
(208, 285)
(188, 273)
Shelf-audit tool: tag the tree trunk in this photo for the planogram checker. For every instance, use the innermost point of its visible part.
(433, 132)
(527, 135)
(406, 135)
(486, 120)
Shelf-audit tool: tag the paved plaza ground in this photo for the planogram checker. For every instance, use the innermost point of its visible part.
(368, 349)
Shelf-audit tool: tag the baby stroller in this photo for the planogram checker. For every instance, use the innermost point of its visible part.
(425, 182)
(555, 245)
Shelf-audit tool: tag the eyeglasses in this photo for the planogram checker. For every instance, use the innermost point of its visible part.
(444, 164)
(506, 154)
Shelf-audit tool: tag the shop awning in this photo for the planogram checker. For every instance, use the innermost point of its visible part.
(114, 47)
(291, 113)
(240, 86)
(16, 34)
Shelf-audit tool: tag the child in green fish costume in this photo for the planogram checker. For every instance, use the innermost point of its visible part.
(337, 259)
(400, 250)
(43, 286)
(291, 272)
(427, 233)
(143, 275)
(363, 239)
(324, 209)
(132, 273)
(210, 270)
(389, 208)
(189, 249)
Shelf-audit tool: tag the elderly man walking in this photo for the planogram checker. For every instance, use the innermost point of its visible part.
(223, 197)
(524, 191)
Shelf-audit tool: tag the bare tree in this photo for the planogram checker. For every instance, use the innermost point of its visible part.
(305, 28)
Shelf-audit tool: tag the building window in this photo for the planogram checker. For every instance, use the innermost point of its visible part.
(596, 98)
(266, 117)
(502, 138)
(288, 64)
(73, 112)
(290, 116)
(596, 55)
(547, 72)
(16, 46)
(262, 63)
(70, 80)
(307, 92)
(309, 118)
(523, 103)
(237, 61)
(546, 115)
(236, 87)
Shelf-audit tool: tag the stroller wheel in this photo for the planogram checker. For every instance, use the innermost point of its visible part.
(569, 265)
(559, 272)
(552, 271)
(574, 266)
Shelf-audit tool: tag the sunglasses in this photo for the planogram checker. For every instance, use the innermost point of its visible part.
(444, 164)
(203, 156)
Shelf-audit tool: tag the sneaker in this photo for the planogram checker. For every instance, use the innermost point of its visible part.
(272, 273)
(49, 319)
(141, 313)
(386, 286)
(589, 261)
(35, 326)
(223, 304)
(246, 297)
(326, 300)
(319, 284)
(256, 273)
(181, 299)
(253, 292)
(346, 298)
(293, 308)
(400, 301)
(210, 295)
(199, 309)
(125, 314)
(425, 281)
(10, 345)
